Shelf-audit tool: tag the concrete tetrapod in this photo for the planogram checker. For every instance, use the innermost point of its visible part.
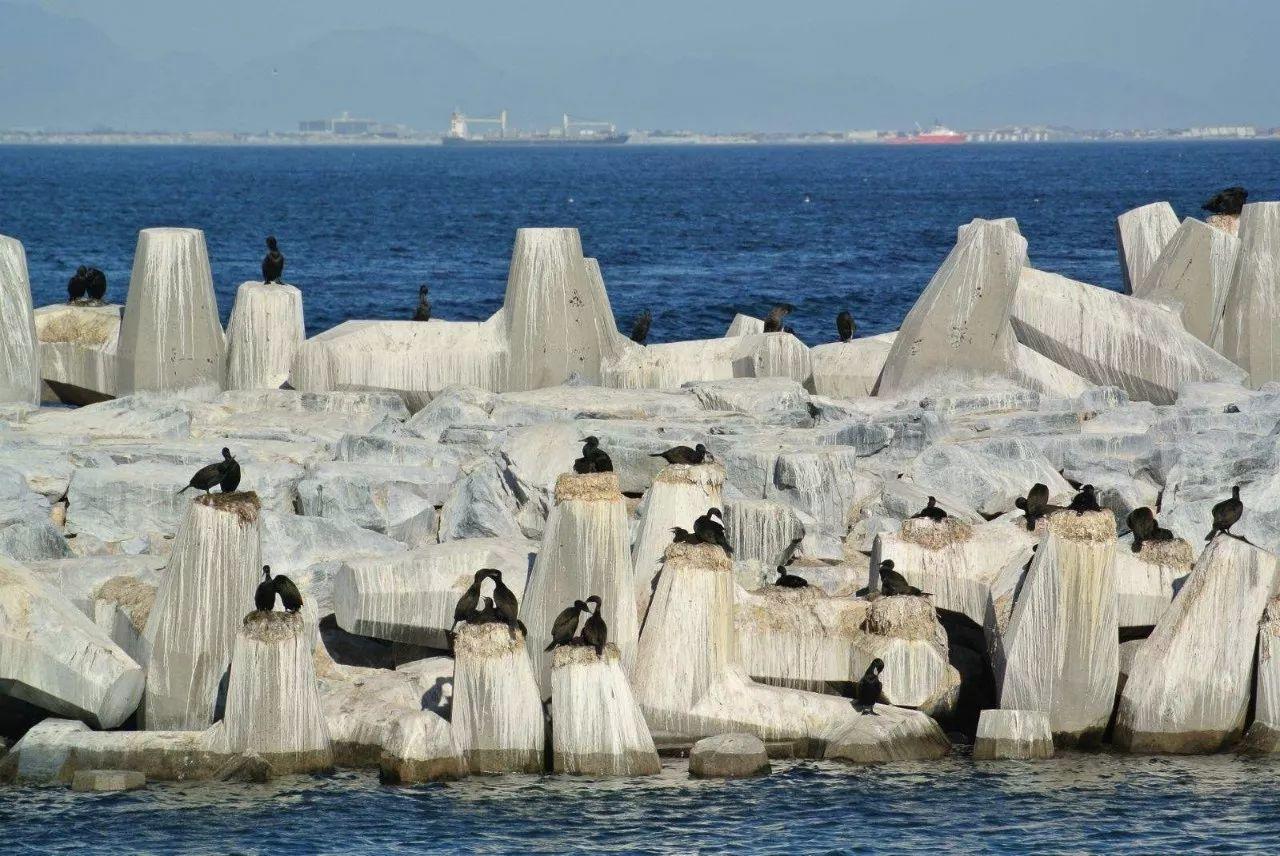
(19, 357)
(1263, 736)
(265, 331)
(171, 339)
(1061, 649)
(1251, 319)
(213, 571)
(585, 551)
(596, 727)
(680, 494)
(497, 713)
(1188, 691)
(1193, 275)
(689, 681)
(1141, 234)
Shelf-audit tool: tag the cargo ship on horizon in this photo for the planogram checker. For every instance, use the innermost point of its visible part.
(938, 135)
(571, 132)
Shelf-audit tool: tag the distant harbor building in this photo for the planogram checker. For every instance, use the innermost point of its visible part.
(1014, 135)
(345, 125)
(1231, 131)
(570, 132)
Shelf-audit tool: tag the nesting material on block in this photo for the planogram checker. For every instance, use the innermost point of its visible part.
(1189, 688)
(214, 569)
(265, 331)
(680, 494)
(78, 351)
(497, 712)
(597, 728)
(1061, 646)
(273, 704)
(171, 339)
(585, 551)
(19, 357)
(53, 657)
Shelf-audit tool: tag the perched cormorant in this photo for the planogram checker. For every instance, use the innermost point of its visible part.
(272, 262)
(845, 326)
(893, 583)
(423, 312)
(786, 580)
(869, 687)
(78, 285)
(484, 613)
(467, 603)
(710, 531)
(931, 511)
(230, 473)
(1142, 524)
(97, 282)
(505, 601)
(683, 454)
(773, 323)
(1228, 201)
(1035, 505)
(1226, 514)
(264, 597)
(290, 597)
(683, 536)
(566, 625)
(595, 632)
(206, 478)
(640, 330)
(1085, 500)
(594, 459)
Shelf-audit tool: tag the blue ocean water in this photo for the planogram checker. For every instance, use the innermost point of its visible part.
(694, 233)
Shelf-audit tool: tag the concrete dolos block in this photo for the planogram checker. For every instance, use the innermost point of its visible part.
(1141, 234)
(171, 338)
(19, 366)
(1193, 276)
(1251, 321)
(960, 324)
(265, 331)
(78, 351)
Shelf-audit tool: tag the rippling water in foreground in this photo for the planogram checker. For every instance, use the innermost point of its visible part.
(1072, 804)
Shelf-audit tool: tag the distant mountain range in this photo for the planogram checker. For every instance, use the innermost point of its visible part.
(61, 73)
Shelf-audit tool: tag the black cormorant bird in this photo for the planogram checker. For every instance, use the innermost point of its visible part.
(710, 530)
(264, 597)
(773, 322)
(1035, 504)
(594, 459)
(786, 580)
(1085, 500)
(640, 330)
(505, 601)
(423, 312)
(466, 604)
(1226, 514)
(230, 473)
(485, 613)
(290, 597)
(206, 478)
(683, 536)
(78, 285)
(97, 283)
(869, 687)
(595, 632)
(566, 625)
(1142, 524)
(931, 511)
(1228, 201)
(683, 454)
(845, 326)
(893, 583)
(272, 262)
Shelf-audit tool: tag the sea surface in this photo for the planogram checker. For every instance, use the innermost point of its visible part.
(1071, 804)
(693, 233)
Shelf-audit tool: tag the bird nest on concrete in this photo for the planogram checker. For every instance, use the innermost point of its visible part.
(935, 536)
(706, 556)
(243, 503)
(491, 639)
(136, 598)
(1176, 553)
(272, 626)
(1097, 526)
(88, 329)
(704, 475)
(589, 487)
(902, 617)
(583, 655)
(1229, 223)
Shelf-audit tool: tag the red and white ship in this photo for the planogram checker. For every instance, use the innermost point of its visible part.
(938, 135)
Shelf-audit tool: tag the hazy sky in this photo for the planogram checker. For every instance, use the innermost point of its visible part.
(661, 63)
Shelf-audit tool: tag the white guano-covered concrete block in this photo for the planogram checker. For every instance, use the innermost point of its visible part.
(1141, 234)
(1251, 320)
(265, 331)
(597, 728)
(78, 351)
(1020, 735)
(1193, 276)
(19, 357)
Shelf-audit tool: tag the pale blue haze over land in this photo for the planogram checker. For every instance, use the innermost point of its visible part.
(709, 66)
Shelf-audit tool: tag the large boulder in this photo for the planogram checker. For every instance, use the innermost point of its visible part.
(728, 756)
(850, 369)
